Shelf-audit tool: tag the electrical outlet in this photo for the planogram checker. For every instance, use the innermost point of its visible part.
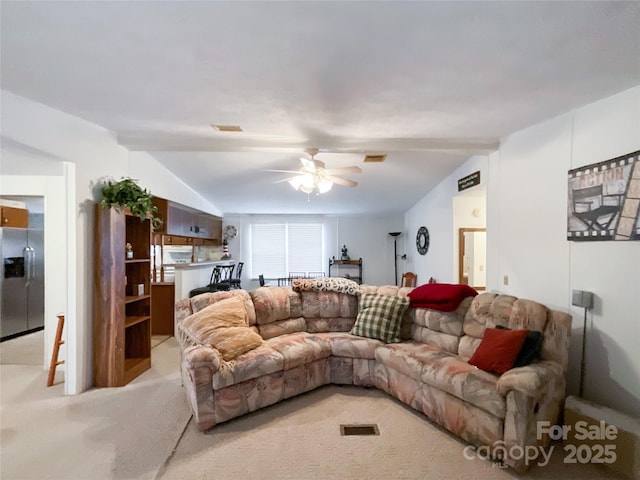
(506, 280)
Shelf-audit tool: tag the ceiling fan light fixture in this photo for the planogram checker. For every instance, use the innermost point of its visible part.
(313, 176)
(324, 185)
(296, 182)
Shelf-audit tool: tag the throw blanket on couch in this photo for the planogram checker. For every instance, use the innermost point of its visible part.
(445, 297)
(325, 284)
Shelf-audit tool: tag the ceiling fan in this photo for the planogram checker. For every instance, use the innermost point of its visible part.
(314, 176)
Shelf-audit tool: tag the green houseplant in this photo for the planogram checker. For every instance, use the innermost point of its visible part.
(127, 193)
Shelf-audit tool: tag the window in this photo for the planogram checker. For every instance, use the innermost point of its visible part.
(280, 248)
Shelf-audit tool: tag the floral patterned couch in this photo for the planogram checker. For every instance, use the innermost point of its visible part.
(307, 344)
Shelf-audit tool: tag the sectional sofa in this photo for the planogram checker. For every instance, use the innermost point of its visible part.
(304, 343)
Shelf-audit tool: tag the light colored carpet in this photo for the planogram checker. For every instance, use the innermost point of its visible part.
(25, 350)
(121, 433)
(300, 439)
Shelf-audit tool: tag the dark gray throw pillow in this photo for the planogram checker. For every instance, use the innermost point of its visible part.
(530, 350)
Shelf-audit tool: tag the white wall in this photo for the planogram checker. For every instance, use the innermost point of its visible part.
(162, 183)
(443, 210)
(91, 154)
(526, 239)
(366, 237)
(532, 184)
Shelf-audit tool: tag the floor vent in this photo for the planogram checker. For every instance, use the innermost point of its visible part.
(359, 430)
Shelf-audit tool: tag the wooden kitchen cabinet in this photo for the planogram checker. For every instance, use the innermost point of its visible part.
(182, 221)
(14, 217)
(162, 307)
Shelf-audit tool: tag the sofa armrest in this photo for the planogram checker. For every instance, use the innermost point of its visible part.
(199, 364)
(202, 356)
(533, 394)
(531, 379)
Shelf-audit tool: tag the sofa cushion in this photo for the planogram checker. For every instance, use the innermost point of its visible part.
(204, 300)
(445, 297)
(316, 325)
(255, 363)
(408, 358)
(444, 341)
(444, 322)
(328, 305)
(380, 317)
(223, 325)
(498, 349)
(346, 345)
(445, 371)
(234, 341)
(282, 327)
(299, 348)
(275, 303)
(453, 375)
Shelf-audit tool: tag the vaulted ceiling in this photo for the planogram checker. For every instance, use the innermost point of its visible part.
(427, 83)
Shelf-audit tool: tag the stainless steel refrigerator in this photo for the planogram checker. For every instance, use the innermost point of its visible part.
(22, 276)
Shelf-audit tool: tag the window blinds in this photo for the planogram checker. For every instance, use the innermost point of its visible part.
(280, 248)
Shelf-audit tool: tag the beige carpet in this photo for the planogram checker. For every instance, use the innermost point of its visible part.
(25, 350)
(300, 439)
(121, 433)
(138, 432)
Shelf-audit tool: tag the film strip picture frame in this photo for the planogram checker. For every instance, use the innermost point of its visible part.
(604, 200)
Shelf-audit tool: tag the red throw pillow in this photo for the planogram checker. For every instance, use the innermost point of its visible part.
(498, 350)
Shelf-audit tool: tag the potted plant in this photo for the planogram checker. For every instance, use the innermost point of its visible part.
(127, 193)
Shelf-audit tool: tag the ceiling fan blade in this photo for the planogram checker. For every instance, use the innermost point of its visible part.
(309, 165)
(343, 181)
(343, 171)
(284, 179)
(283, 171)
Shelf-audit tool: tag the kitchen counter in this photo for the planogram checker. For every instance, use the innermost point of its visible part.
(182, 266)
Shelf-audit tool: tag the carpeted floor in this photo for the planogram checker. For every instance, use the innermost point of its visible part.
(121, 433)
(300, 439)
(143, 431)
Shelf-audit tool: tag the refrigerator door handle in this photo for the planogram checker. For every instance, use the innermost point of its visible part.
(29, 256)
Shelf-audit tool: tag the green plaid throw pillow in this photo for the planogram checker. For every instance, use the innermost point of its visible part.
(380, 316)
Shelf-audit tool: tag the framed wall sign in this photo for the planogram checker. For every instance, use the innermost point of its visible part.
(604, 200)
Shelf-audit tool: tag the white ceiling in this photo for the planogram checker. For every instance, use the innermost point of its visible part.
(428, 83)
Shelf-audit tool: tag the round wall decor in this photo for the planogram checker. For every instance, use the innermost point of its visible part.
(230, 232)
(422, 240)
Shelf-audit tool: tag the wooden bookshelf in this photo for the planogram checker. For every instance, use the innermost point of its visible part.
(122, 306)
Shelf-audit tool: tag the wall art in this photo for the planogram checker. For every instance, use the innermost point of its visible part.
(604, 200)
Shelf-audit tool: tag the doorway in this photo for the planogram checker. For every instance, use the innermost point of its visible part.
(472, 259)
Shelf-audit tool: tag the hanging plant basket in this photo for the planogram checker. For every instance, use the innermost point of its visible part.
(126, 193)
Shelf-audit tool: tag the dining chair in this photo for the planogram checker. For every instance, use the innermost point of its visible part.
(235, 281)
(221, 277)
(409, 279)
(297, 275)
(315, 274)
